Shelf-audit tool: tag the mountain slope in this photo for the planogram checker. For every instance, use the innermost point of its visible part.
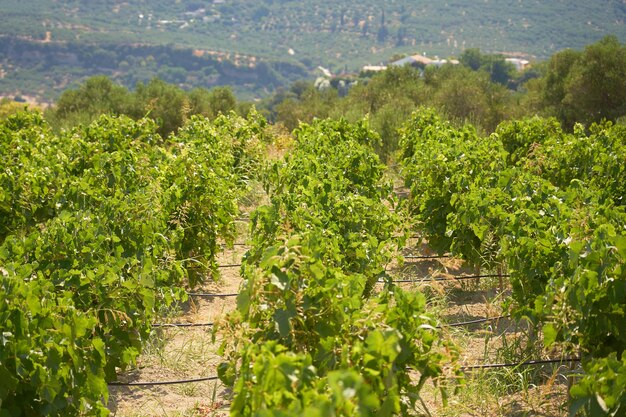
(337, 35)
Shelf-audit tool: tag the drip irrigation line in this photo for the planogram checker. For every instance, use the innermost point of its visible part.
(243, 219)
(459, 324)
(463, 368)
(154, 383)
(518, 364)
(459, 278)
(396, 281)
(229, 266)
(427, 256)
(182, 325)
(212, 295)
(470, 322)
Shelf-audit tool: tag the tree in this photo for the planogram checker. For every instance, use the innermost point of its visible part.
(222, 101)
(310, 104)
(499, 70)
(554, 86)
(211, 104)
(98, 95)
(382, 32)
(586, 87)
(400, 35)
(596, 84)
(471, 58)
(163, 102)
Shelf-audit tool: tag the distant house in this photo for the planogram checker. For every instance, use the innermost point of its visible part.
(441, 62)
(413, 60)
(518, 63)
(196, 14)
(374, 68)
(422, 61)
(325, 71)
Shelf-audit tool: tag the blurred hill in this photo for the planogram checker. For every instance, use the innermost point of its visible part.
(256, 46)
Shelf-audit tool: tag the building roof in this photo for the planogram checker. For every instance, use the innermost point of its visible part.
(374, 68)
(412, 59)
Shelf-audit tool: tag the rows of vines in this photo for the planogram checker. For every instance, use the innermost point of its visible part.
(311, 334)
(546, 206)
(101, 227)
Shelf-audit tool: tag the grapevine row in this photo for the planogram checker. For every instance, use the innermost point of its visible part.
(546, 206)
(310, 335)
(101, 227)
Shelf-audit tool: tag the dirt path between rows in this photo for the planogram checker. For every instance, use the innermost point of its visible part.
(182, 353)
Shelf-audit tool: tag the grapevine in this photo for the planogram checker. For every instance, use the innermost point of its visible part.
(101, 227)
(547, 206)
(308, 323)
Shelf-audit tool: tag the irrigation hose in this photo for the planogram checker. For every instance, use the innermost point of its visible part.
(459, 278)
(182, 325)
(470, 322)
(516, 365)
(212, 295)
(155, 383)
(463, 368)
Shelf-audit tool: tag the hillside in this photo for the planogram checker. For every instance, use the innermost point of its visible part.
(290, 38)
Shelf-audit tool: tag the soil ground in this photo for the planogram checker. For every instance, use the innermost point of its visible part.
(181, 353)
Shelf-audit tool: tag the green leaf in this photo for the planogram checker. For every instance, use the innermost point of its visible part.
(550, 334)
(227, 373)
(8, 382)
(283, 324)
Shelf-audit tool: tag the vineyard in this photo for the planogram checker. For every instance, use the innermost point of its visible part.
(344, 277)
